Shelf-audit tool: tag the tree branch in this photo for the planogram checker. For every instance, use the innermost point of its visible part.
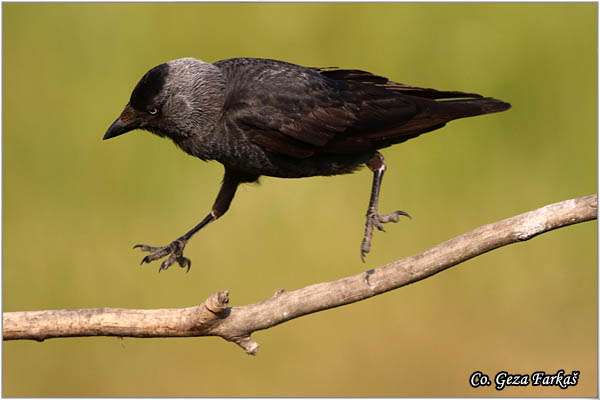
(236, 324)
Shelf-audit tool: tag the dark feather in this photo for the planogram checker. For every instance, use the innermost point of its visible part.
(282, 144)
(369, 78)
(299, 112)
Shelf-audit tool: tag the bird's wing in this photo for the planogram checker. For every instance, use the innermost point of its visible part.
(300, 111)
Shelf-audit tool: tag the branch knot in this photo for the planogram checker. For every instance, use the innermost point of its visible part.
(217, 302)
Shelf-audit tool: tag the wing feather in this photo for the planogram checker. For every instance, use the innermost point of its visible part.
(369, 78)
(299, 112)
(282, 144)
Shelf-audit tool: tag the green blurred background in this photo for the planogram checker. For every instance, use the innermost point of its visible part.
(74, 205)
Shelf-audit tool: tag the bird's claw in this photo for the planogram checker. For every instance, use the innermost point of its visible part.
(174, 250)
(374, 219)
(392, 217)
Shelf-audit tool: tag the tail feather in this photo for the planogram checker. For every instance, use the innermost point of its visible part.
(464, 108)
(434, 115)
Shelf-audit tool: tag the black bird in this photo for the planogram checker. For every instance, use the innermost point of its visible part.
(267, 117)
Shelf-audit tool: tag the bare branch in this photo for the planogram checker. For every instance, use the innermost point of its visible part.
(236, 324)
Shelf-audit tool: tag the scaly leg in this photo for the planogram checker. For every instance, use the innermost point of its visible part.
(377, 165)
(175, 249)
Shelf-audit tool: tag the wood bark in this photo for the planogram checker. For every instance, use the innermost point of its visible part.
(215, 318)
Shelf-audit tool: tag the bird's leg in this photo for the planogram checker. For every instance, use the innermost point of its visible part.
(377, 165)
(175, 249)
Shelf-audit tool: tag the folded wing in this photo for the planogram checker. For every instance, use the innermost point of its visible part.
(298, 111)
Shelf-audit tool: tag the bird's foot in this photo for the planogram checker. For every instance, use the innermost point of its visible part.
(173, 250)
(375, 220)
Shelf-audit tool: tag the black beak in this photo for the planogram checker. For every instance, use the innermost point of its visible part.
(125, 123)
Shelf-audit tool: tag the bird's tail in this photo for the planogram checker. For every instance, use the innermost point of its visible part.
(433, 115)
(454, 109)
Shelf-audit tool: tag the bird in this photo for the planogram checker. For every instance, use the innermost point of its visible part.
(264, 117)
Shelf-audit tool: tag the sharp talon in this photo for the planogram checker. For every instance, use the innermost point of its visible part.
(184, 262)
(145, 247)
(404, 213)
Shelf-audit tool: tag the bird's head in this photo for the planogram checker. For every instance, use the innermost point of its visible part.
(178, 99)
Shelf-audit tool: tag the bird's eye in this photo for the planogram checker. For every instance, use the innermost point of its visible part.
(152, 111)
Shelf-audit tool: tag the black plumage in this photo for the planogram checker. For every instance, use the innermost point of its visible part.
(267, 117)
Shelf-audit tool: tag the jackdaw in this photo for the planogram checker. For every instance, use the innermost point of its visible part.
(268, 117)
